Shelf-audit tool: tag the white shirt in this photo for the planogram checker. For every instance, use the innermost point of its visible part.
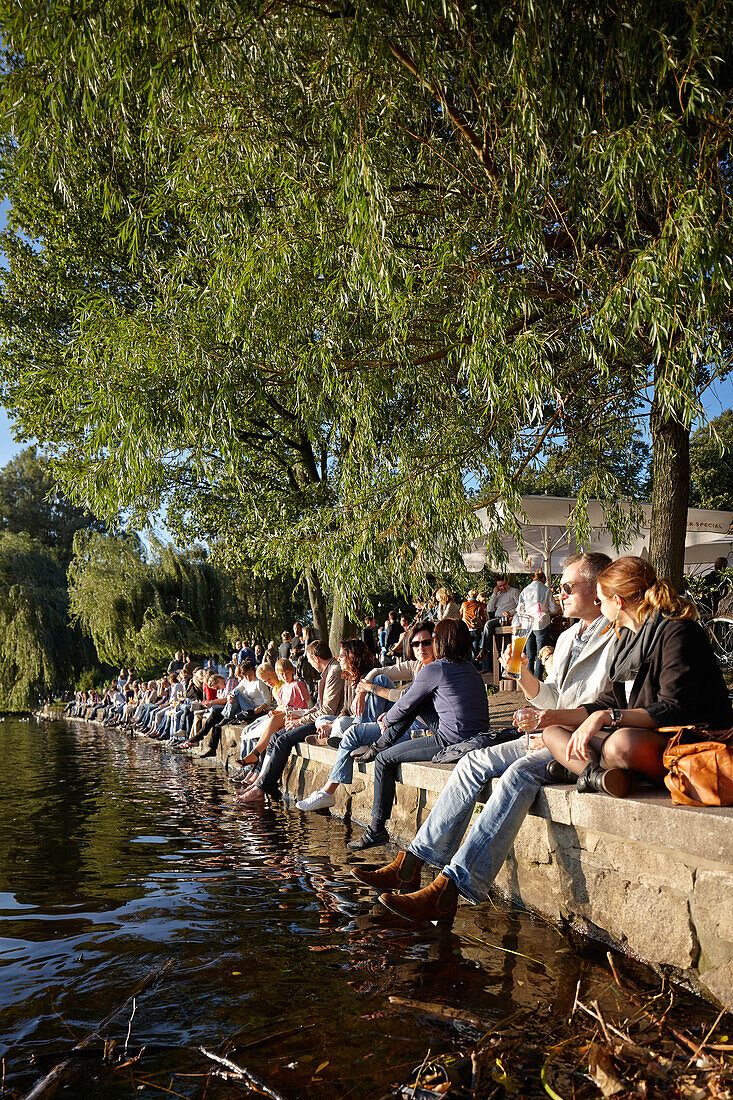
(504, 603)
(257, 692)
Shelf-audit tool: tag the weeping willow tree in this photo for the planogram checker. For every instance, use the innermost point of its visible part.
(139, 606)
(139, 609)
(324, 277)
(39, 649)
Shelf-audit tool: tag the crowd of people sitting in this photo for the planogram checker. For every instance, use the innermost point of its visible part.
(633, 663)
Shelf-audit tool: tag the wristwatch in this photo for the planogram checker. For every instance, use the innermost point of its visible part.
(617, 717)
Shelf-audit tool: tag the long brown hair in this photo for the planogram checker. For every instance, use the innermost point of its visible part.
(634, 580)
(451, 640)
(359, 659)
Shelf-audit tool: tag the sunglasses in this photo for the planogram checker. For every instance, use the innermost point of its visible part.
(568, 588)
(424, 644)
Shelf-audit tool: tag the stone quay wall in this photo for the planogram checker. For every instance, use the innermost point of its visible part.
(646, 877)
(652, 879)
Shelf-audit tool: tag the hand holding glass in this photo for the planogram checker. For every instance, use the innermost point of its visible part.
(527, 719)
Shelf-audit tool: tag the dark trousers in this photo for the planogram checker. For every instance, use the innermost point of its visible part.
(385, 772)
(281, 745)
(536, 640)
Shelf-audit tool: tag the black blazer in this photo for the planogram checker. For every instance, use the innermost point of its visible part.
(680, 683)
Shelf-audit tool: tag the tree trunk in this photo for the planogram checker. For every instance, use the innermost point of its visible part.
(318, 604)
(670, 494)
(341, 626)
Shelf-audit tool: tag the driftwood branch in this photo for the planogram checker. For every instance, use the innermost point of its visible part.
(246, 1074)
(54, 1076)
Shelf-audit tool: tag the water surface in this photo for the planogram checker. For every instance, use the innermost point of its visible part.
(118, 855)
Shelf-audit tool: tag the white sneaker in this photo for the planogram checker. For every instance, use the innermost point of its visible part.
(319, 800)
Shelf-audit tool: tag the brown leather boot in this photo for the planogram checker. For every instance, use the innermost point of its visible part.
(436, 902)
(402, 874)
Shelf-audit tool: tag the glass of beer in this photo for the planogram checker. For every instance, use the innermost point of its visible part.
(513, 667)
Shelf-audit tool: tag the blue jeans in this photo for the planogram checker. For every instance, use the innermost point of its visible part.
(537, 640)
(386, 766)
(474, 864)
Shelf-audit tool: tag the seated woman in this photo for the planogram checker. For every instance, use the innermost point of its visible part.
(663, 673)
(450, 691)
(214, 699)
(377, 691)
(291, 695)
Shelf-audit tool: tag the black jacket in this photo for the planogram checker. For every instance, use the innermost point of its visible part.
(678, 683)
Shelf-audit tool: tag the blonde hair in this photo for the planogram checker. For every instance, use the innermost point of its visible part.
(284, 665)
(442, 595)
(265, 670)
(634, 580)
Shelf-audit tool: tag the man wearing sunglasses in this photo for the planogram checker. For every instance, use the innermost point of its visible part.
(469, 866)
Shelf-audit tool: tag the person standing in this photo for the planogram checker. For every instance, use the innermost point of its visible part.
(536, 603)
(368, 634)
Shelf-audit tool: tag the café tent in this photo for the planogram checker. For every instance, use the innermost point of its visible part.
(548, 540)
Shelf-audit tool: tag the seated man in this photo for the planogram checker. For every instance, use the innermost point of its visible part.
(469, 867)
(502, 605)
(328, 703)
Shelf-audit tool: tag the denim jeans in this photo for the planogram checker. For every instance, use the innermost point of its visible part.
(386, 766)
(537, 640)
(474, 864)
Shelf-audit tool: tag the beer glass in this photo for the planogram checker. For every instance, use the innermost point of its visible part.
(513, 667)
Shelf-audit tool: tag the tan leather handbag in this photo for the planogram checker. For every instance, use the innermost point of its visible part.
(700, 772)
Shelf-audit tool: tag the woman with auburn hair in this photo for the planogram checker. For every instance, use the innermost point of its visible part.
(663, 673)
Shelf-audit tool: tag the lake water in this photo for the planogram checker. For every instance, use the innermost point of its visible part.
(117, 855)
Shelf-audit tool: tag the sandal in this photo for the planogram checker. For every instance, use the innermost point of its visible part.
(246, 762)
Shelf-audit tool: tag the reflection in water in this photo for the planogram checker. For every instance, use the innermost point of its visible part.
(118, 855)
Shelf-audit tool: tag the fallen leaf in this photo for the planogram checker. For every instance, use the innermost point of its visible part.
(601, 1069)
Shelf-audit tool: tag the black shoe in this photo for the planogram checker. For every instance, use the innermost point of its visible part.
(614, 781)
(368, 839)
(371, 754)
(558, 773)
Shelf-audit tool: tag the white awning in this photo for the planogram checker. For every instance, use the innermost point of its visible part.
(548, 542)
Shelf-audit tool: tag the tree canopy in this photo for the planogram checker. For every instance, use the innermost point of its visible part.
(321, 280)
(31, 502)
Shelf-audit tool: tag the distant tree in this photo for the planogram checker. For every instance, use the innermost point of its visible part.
(39, 649)
(31, 502)
(711, 464)
(565, 477)
(139, 607)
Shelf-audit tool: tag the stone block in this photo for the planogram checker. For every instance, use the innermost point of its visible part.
(712, 914)
(717, 983)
